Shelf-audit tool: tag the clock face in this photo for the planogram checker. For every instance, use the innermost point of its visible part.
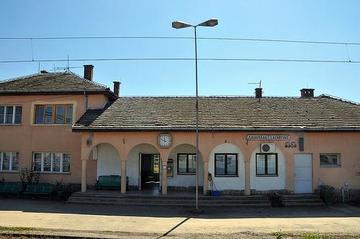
(164, 140)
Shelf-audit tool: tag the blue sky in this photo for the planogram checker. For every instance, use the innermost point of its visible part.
(320, 20)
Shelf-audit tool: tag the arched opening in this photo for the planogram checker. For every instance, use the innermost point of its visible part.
(267, 170)
(227, 168)
(107, 160)
(182, 168)
(143, 168)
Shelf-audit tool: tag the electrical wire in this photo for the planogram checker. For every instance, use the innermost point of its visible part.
(182, 38)
(181, 59)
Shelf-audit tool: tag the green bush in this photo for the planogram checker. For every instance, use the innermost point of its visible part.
(327, 193)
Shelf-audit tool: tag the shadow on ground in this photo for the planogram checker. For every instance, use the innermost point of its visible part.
(48, 206)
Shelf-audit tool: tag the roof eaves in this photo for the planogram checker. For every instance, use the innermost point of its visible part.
(248, 129)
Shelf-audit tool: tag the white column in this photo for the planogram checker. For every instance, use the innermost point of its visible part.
(83, 175)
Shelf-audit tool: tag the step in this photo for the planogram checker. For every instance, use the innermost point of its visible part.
(303, 204)
(120, 203)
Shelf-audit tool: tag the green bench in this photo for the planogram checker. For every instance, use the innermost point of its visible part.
(110, 182)
(39, 189)
(10, 188)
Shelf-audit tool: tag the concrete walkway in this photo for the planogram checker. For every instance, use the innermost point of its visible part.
(110, 221)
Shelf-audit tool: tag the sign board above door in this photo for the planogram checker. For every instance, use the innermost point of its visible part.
(267, 137)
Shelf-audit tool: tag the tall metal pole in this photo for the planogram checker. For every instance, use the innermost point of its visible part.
(197, 125)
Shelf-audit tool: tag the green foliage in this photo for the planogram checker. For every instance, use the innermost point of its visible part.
(327, 193)
(315, 236)
(29, 176)
(275, 199)
(279, 235)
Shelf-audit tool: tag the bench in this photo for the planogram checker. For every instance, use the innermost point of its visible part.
(10, 188)
(39, 189)
(110, 182)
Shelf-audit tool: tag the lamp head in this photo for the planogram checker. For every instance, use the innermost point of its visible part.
(209, 23)
(179, 24)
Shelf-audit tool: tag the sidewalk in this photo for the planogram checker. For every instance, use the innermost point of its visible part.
(110, 221)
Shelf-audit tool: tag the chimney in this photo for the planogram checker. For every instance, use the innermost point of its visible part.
(88, 72)
(258, 93)
(307, 93)
(116, 88)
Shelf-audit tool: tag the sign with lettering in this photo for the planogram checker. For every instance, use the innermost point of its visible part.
(268, 137)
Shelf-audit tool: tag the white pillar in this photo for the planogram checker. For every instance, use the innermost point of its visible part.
(83, 175)
(123, 176)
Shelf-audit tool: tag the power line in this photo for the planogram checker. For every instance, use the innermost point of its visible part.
(181, 59)
(182, 38)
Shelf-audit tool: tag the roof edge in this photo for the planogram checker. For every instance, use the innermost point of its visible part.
(245, 129)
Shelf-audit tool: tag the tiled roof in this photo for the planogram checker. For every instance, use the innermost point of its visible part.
(224, 113)
(50, 83)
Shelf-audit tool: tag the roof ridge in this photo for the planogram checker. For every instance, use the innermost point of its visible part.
(328, 96)
(55, 73)
(22, 77)
(90, 81)
(209, 96)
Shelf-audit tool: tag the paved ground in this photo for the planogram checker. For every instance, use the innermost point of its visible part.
(49, 217)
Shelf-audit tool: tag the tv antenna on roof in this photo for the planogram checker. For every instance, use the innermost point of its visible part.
(67, 67)
(255, 83)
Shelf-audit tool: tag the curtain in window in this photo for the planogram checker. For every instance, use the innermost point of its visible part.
(182, 163)
(260, 164)
(220, 164)
(231, 164)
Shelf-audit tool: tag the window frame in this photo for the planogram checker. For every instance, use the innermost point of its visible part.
(54, 106)
(52, 163)
(13, 116)
(226, 169)
(10, 170)
(338, 165)
(187, 164)
(266, 174)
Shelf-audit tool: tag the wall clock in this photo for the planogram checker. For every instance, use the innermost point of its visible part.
(164, 140)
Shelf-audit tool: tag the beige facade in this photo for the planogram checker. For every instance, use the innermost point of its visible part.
(102, 150)
(28, 137)
(343, 143)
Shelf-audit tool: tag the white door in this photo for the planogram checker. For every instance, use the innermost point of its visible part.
(303, 173)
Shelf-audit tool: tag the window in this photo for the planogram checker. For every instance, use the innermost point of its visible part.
(53, 114)
(51, 162)
(186, 163)
(330, 160)
(267, 164)
(226, 165)
(10, 114)
(9, 161)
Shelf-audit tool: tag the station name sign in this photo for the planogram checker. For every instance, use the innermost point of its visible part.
(268, 137)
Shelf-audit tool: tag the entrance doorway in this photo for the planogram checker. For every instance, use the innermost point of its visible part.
(150, 171)
(303, 173)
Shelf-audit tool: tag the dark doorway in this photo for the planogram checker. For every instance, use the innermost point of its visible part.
(150, 171)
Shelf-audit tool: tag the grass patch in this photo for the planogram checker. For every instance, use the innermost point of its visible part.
(14, 229)
(315, 236)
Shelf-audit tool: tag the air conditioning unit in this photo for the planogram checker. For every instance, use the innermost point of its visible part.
(267, 148)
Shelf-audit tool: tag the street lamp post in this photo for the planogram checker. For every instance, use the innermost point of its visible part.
(178, 25)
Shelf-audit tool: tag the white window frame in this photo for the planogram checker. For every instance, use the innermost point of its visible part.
(52, 157)
(10, 162)
(13, 115)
